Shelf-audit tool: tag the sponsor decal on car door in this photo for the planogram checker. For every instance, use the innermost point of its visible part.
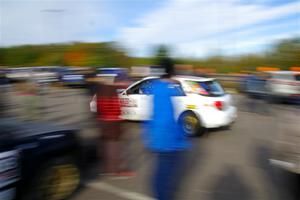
(136, 101)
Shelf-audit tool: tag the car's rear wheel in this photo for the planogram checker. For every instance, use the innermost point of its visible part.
(191, 124)
(58, 179)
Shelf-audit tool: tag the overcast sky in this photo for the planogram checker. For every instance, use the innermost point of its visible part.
(194, 28)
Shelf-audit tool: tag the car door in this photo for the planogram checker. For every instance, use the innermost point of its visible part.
(137, 101)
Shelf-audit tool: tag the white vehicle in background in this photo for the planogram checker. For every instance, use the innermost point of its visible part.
(39, 74)
(203, 103)
(283, 85)
(18, 74)
(44, 74)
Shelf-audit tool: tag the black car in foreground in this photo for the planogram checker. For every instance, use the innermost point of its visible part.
(38, 161)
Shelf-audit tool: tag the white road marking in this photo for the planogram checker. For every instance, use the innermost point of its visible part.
(126, 194)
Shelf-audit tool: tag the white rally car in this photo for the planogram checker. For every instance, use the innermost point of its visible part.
(203, 103)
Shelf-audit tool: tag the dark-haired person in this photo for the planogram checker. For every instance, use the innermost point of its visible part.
(164, 137)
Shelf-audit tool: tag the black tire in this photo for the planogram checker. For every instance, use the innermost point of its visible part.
(191, 124)
(57, 179)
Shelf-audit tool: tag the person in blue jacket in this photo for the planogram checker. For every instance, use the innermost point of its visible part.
(164, 137)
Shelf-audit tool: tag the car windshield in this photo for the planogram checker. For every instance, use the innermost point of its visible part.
(206, 88)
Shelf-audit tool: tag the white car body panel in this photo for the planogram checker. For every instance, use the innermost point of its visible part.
(138, 107)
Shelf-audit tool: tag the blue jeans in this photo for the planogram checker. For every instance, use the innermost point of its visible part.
(168, 173)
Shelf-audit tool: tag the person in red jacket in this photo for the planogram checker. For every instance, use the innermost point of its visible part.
(111, 125)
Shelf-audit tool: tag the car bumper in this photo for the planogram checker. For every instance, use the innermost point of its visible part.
(216, 118)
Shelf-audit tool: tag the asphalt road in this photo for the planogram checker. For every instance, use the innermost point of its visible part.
(222, 165)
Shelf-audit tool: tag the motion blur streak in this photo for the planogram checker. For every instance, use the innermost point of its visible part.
(149, 99)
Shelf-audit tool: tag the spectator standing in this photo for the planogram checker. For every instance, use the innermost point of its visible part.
(111, 125)
(164, 137)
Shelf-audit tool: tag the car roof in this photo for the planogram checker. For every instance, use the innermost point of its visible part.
(192, 78)
(183, 78)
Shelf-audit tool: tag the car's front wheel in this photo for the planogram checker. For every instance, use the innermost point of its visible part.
(191, 124)
(57, 180)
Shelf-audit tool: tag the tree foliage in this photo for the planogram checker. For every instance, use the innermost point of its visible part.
(284, 54)
(76, 54)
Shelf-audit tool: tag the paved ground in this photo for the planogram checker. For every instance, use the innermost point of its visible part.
(223, 164)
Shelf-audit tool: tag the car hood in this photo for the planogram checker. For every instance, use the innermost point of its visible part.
(11, 129)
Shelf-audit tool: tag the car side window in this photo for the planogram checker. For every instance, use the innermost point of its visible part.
(179, 91)
(144, 87)
(134, 89)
